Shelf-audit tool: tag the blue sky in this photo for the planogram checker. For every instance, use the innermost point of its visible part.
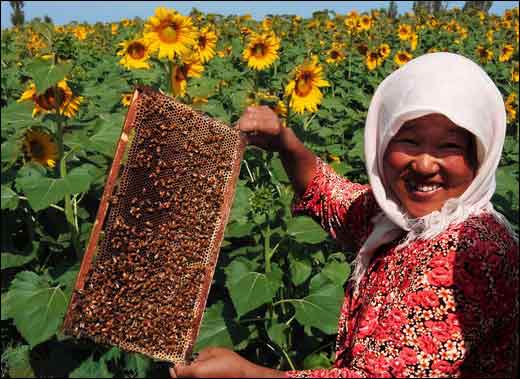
(63, 12)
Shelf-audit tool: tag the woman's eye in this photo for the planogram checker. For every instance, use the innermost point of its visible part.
(408, 141)
(451, 146)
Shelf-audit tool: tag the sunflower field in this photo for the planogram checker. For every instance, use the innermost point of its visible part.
(279, 282)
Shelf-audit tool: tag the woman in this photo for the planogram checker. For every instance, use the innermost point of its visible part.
(435, 287)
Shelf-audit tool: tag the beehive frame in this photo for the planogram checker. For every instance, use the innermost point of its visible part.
(145, 242)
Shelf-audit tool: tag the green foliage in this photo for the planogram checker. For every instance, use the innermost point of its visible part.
(279, 282)
(36, 307)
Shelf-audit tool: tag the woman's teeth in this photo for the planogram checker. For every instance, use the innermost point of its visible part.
(424, 188)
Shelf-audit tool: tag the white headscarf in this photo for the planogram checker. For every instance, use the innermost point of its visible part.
(458, 88)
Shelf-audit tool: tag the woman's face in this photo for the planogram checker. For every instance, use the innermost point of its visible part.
(429, 161)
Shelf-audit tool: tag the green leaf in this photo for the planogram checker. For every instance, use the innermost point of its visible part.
(202, 87)
(277, 332)
(279, 171)
(17, 361)
(114, 355)
(240, 207)
(36, 308)
(238, 230)
(215, 109)
(137, 364)
(316, 360)
(213, 330)
(334, 103)
(304, 229)
(357, 147)
(42, 191)
(250, 289)
(17, 117)
(337, 272)
(9, 198)
(91, 369)
(300, 269)
(320, 308)
(20, 258)
(104, 141)
(10, 151)
(46, 74)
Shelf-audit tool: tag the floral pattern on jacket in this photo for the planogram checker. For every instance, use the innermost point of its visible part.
(443, 307)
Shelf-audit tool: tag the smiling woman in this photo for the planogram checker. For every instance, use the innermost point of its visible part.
(435, 288)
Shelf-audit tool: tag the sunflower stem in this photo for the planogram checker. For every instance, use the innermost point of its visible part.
(170, 69)
(62, 172)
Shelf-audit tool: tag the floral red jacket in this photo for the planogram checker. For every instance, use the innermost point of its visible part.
(444, 307)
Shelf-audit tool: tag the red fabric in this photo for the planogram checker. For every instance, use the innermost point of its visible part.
(446, 307)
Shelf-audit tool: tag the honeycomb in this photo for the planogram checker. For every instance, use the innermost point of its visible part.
(147, 269)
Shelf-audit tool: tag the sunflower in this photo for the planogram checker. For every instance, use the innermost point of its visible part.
(506, 24)
(365, 22)
(135, 53)
(489, 35)
(205, 45)
(335, 54)
(126, 99)
(372, 60)
(267, 23)
(514, 74)
(304, 89)
(126, 22)
(432, 22)
(485, 55)
(506, 53)
(511, 107)
(362, 48)
(280, 109)
(60, 96)
(39, 147)
(35, 43)
(245, 31)
(384, 50)
(401, 57)
(113, 29)
(225, 52)
(191, 67)
(413, 41)
(351, 20)
(261, 51)
(334, 158)
(404, 31)
(80, 32)
(314, 24)
(170, 32)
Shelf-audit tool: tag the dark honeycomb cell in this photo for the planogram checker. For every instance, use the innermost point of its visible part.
(146, 288)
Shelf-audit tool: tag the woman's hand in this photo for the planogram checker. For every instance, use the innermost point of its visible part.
(218, 362)
(262, 126)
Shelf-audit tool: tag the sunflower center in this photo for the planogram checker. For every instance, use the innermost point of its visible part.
(168, 33)
(259, 50)
(304, 84)
(202, 42)
(136, 50)
(51, 99)
(334, 54)
(37, 150)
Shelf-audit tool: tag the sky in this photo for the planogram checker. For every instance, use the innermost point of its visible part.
(63, 12)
